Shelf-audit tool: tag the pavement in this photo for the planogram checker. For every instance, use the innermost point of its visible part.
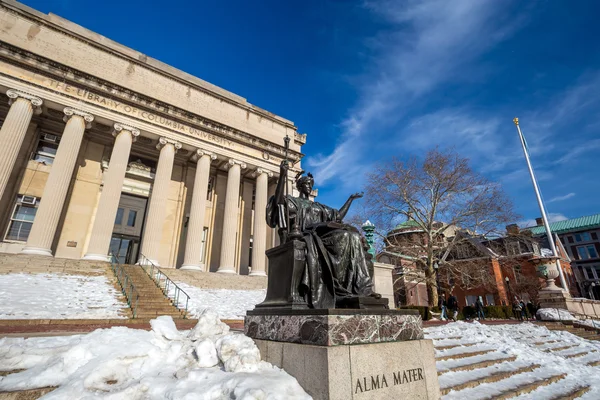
(56, 327)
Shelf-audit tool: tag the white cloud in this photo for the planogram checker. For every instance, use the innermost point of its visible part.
(552, 217)
(561, 198)
(429, 43)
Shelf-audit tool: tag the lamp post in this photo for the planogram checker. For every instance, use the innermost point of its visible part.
(508, 290)
(437, 278)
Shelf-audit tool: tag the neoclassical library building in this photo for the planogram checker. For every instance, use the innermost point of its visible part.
(107, 151)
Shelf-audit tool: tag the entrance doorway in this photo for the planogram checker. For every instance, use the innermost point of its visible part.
(125, 241)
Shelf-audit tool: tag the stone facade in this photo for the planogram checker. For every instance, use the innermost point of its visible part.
(105, 150)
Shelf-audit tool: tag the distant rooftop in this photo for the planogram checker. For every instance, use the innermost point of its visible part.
(411, 223)
(569, 225)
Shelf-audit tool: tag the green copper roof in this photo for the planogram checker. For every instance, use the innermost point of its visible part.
(569, 225)
(411, 223)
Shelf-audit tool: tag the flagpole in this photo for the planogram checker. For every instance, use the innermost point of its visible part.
(542, 208)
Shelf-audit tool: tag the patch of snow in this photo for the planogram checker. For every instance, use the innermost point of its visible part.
(57, 296)
(227, 303)
(554, 314)
(124, 363)
(517, 340)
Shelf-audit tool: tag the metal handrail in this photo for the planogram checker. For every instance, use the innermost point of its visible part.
(164, 283)
(129, 291)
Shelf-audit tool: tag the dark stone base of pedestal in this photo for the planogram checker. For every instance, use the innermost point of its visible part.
(334, 326)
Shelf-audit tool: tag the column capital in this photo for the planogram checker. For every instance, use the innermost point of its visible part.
(233, 162)
(35, 101)
(259, 171)
(87, 117)
(163, 141)
(199, 153)
(135, 132)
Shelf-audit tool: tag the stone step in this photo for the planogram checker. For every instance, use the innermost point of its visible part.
(452, 346)
(26, 394)
(543, 343)
(494, 377)
(479, 364)
(580, 354)
(554, 349)
(463, 355)
(529, 387)
(593, 363)
(574, 394)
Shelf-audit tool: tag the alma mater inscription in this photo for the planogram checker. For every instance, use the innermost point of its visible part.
(375, 382)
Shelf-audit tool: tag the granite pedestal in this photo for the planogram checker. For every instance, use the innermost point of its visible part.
(344, 354)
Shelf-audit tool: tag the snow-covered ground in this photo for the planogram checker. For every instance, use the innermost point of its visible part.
(531, 346)
(205, 363)
(53, 296)
(229, 304)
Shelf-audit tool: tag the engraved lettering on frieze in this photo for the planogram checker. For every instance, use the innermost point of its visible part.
(380, 381)
(142, 114)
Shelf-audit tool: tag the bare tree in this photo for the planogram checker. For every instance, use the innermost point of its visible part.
(441, 196)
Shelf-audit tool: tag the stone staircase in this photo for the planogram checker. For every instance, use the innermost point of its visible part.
(584, 332)
(465, 363)
(152, 302)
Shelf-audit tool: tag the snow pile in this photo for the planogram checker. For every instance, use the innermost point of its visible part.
(554, 314)
(51, 296)
(229, 304)
(531, 345)
(205, 363)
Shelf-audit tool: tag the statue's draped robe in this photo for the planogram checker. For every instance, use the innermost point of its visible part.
(335, 259)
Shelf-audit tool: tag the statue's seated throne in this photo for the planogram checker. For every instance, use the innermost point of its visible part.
(286, 266)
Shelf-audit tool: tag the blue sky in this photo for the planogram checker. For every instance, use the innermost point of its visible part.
(370, 80)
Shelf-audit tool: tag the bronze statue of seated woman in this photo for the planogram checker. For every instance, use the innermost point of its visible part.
(334, 272)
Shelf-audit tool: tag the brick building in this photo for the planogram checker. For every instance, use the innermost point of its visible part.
(497, 270)
(581, 240)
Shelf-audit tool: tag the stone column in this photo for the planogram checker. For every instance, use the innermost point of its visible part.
(12, 133)
(158, 201)
(259, 236)
(111, 193)
(193, 250)
(53, 198)
(230, 217)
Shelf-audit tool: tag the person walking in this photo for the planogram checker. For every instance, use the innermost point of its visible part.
(443, 306)
(524, 313)
(453, 306)
(479, 309)
(517, 310)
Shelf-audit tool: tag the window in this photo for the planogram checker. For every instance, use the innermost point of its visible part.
(536, 249)
(119, 216)
(589, 274)
(22, 218)
(471, 300)
(209, 191)
(131, 218)
(513, 248)
(489, 299)
(582, 237)
(46, 148)
(570, 239)
(586, 252)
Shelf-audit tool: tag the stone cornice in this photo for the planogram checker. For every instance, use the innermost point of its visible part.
(87, 117)
(135, 132)
(163, 141)
(233, 162)
(109, 90)
(199, 153)
(142, 60)
(36, 102)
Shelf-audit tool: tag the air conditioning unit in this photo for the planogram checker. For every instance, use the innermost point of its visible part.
(50, 138)
(28, 200)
